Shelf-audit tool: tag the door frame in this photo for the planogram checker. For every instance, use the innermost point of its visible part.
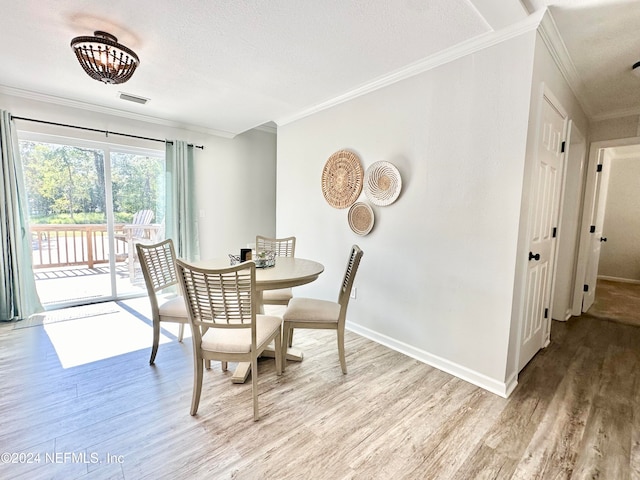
(588, 206)
(576, 162)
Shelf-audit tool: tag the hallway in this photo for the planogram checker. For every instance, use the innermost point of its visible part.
(617, 301)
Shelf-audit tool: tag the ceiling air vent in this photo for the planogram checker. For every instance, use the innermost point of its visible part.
(133, 98)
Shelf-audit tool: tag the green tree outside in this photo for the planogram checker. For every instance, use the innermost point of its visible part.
(66, 184)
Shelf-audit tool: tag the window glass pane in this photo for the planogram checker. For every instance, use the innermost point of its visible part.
(137, 184)
(65, 184)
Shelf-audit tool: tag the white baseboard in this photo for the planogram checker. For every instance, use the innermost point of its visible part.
(567, 316)
(618, 279)
(502, 389)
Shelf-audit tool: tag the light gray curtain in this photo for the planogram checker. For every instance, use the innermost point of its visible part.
(181, 219)
(18, 297)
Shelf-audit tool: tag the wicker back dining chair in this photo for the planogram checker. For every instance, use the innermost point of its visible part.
(157, 262)
(324, 314)
(221, 304)
(283, 247)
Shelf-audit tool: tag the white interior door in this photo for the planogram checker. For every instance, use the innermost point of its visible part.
(545, 200)
(596, 229)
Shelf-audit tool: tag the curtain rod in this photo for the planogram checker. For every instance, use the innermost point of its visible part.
(106, 132)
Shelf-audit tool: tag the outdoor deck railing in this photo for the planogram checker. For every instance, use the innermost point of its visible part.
(67, 245)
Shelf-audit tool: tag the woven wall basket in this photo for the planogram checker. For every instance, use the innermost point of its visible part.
(382, 183)
(342, 179)
(361, 218)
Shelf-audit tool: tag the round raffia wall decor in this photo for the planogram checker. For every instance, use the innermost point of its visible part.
(361, 218)
(342, 179)
(382, 183)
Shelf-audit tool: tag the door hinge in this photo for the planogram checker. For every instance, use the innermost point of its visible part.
(585, 288)
(592, 229)
(546, 313)
(554, 232)
(599, 168)
(564, 144)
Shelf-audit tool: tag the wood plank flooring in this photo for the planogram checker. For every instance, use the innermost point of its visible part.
(575, 414)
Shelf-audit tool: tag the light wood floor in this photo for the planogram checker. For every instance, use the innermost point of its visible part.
(574, 414)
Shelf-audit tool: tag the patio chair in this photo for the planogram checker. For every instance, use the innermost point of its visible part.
(324, 314)
(140, 230)
(139, 224)
(222, 312)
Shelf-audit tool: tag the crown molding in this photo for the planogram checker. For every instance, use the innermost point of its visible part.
(267, 127)
(558, 50)
(65, 102)
(627, 112)
(463, 49)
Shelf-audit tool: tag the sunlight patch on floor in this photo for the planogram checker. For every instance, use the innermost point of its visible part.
(90, 339)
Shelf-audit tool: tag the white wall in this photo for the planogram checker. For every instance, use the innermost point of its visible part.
(620, 255)
(236, 186)
(235, 177)
(622, 127)
(437, 277)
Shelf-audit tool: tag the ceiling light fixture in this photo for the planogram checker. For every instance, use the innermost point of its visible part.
(636, 69)
(104, 59)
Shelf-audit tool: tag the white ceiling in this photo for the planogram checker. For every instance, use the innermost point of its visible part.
(227, 66)
(603, 41)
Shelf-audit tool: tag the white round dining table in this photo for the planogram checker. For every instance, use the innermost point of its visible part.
(287, 272)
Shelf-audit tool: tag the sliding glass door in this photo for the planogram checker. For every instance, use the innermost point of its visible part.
(89, 204)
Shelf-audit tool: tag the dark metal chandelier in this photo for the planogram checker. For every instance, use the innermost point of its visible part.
(104, 59)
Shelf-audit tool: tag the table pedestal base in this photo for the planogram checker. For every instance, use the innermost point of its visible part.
(242, 370)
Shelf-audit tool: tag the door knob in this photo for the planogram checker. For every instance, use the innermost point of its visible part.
(603, 239)
(535, 257)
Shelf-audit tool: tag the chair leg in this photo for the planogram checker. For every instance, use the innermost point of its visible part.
(286, 331)
(197, 383)
(254, 387)
(343, 362)
(280, 353)
(224, 366)
(291, 337)
(207, 363)
(181, 332)
(156, 341)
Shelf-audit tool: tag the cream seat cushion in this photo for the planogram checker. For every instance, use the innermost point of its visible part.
(281, 294)
(312, 310)
(172, 307)
(238, 340)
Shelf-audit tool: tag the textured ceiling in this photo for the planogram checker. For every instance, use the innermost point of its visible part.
(228, 66)
(232, 65)
(603, 41)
